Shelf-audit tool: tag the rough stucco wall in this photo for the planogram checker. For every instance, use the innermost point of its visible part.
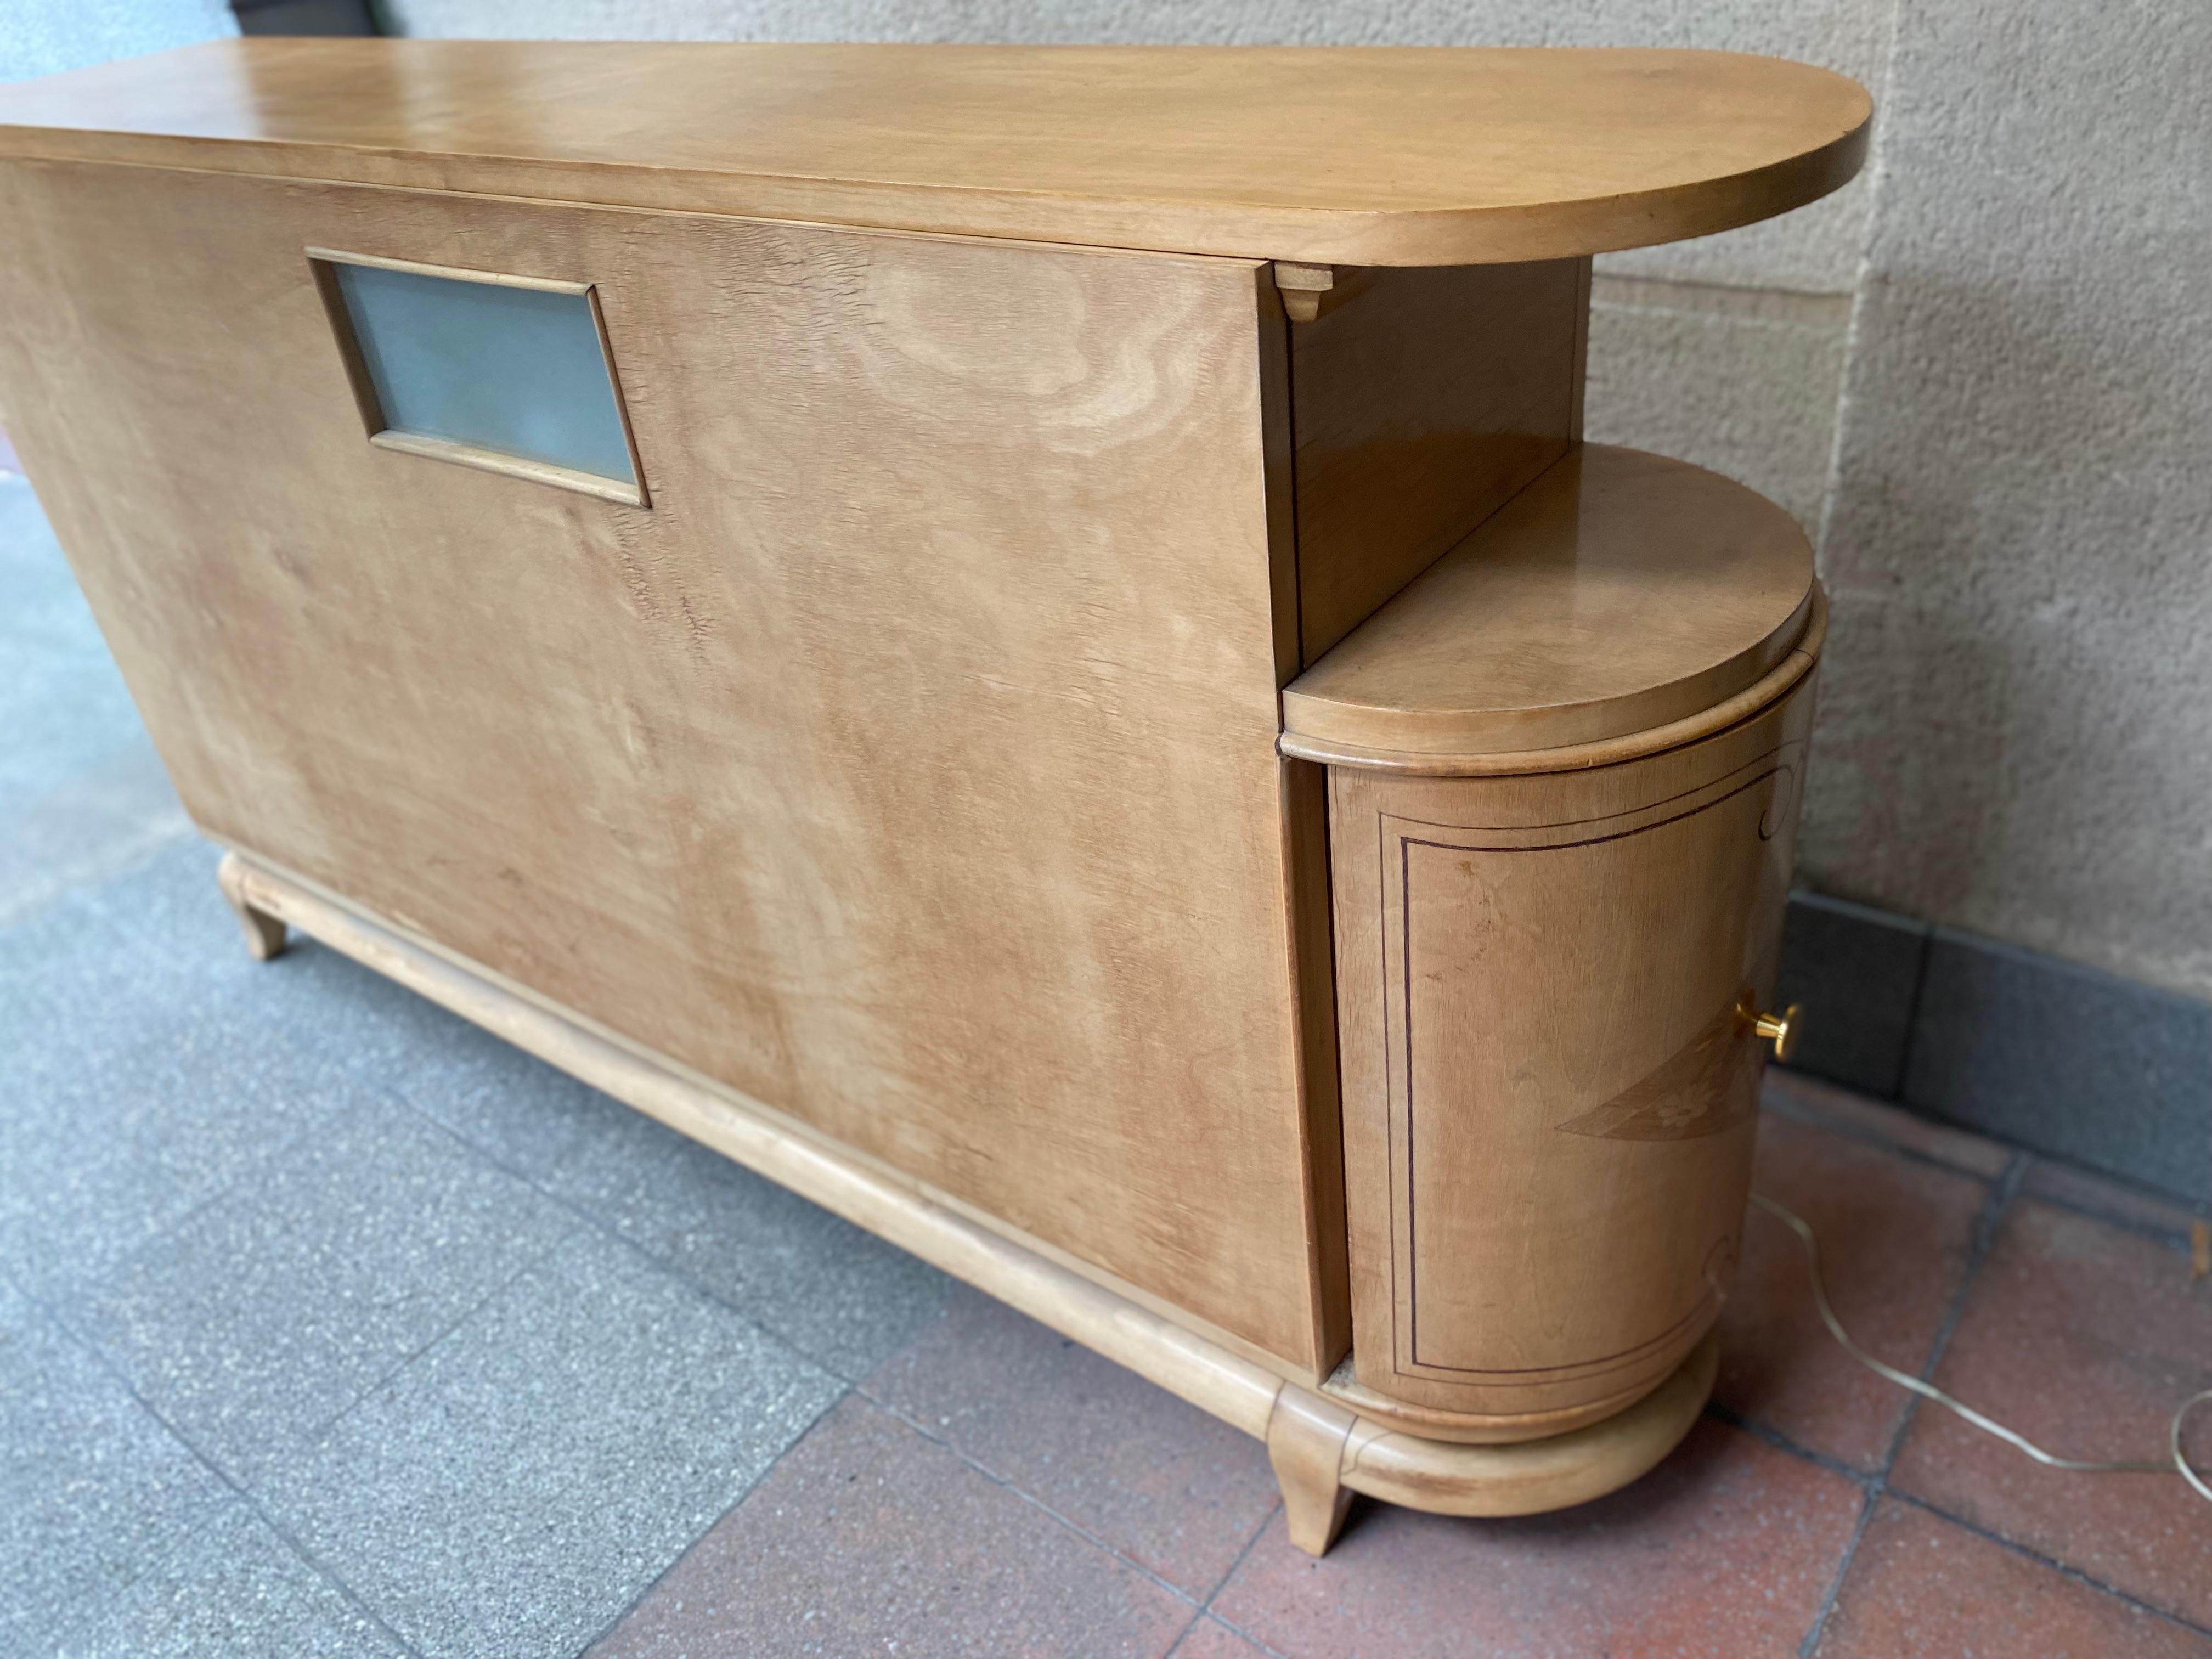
(44, 37)
(2015, 728)
(1983, 372)
(1741, 380)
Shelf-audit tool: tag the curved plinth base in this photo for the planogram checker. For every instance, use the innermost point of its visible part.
(1429, 1423)
(1529, 1477)
(1322, 1452)
(1526, 1477)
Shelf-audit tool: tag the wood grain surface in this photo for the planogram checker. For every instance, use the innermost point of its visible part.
(908, 764)
(1618, 592)
(1543, 987)
(905, 761)
(1420, 404)
(1375, 157)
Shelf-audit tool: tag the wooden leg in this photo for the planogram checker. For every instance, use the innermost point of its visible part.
(1305, 1443)
(265, 933)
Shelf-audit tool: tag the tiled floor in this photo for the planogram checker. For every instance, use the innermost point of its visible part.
(329, 1326)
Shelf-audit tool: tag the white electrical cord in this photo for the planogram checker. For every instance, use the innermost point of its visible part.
(2178, 1463)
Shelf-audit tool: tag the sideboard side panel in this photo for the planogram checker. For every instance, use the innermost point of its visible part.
(908, 764)
(1419, 406)
(1313, 959)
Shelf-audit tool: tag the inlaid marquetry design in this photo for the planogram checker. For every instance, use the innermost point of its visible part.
(1705, 1086)
(1550, 1082)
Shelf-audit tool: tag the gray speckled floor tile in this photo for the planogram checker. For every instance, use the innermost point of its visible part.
(80, 788)
(153, 1065)
(170, 903)
(141, 1085)
(54, 645)
(259, 1318)
(68, 712)
(167, 1066)
(843, 1298)
(115, 812)
(232, 1589)
(92, 1487)
(37, 949)
(107, 1134)
(511, 1106)
(520, 1110)
(513, 1489)
(57, 954)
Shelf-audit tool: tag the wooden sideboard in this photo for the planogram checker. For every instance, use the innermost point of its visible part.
(1025, 641)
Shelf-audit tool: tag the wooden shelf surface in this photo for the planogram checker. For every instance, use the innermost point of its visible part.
(1368, 155)
(1618, 593)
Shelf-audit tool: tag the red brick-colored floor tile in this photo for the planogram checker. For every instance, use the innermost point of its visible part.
(868, 1537)
(1809, 1097)
(1209, 1639)
(1921, 1586)
(1895, 1236)
(1178, 1492)
(1727, 1549)
(2083, 1336)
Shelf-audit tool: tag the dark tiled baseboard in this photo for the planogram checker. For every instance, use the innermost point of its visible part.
(2063, 1060)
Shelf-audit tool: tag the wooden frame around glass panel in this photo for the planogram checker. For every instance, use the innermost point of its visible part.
(322, 261)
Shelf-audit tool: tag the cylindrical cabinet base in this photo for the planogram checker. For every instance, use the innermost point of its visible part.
(1546, 989)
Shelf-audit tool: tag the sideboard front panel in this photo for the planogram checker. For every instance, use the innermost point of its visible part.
(908, 764)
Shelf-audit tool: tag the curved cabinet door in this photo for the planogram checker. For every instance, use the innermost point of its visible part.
(1551, 1081)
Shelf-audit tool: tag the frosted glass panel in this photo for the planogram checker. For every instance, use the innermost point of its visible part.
(517, 370)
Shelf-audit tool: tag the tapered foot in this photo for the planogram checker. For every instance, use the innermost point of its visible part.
(265, 933)
(1305, 1443)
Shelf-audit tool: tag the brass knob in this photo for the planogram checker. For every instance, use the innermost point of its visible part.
(1783, 1029)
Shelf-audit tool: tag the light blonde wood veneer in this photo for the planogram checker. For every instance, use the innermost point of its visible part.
(1618, 592)
(1424, 156)
(891, 798)
(1419, 408)
(909, 763)
(1549, 1071)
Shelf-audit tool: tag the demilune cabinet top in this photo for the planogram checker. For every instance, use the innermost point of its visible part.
(1357, 155)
